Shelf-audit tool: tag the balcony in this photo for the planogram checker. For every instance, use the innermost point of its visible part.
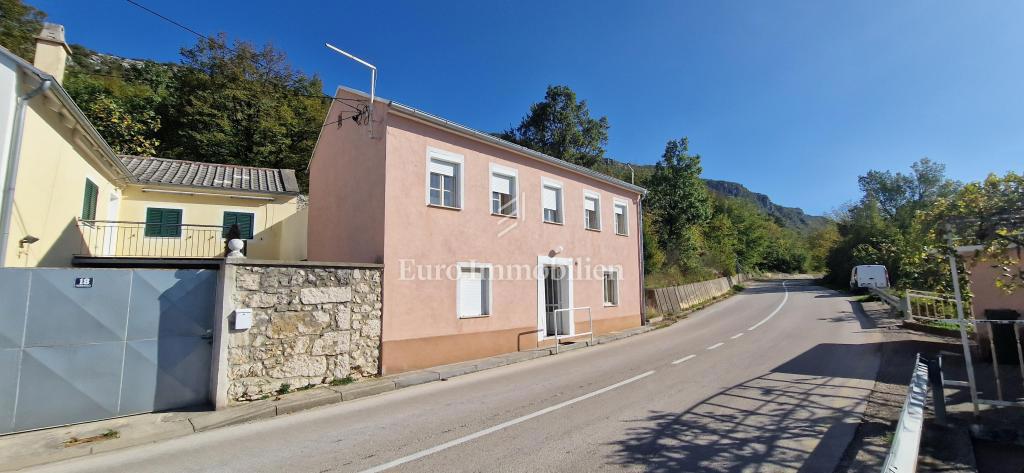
(107, 238)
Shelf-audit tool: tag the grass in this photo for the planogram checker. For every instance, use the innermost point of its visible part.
(342, 381)
(867, 298)
(110, 434)
(738, 288)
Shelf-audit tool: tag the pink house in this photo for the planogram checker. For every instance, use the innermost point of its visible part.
(487, 247)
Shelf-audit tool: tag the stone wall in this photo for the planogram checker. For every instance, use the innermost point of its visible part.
(311, 324)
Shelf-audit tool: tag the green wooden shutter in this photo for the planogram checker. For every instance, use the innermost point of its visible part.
(154, 217)
(163, 222)
(172, 223)
(243, 220)
(92, 192)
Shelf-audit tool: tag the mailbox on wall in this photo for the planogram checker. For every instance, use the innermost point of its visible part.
(243, 319)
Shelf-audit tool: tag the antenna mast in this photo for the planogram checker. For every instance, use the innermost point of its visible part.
(373, 79)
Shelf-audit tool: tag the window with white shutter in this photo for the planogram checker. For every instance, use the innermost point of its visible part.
(444, 179)
(474, 290)
(503, 194)
(592, 211)
(551, 199)
(621, 220)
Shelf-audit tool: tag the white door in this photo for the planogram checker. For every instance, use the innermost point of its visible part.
(110, 229)
(554, 291)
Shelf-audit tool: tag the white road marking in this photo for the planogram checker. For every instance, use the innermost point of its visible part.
(685, 358)
(503, 425)
(712, 347)
(777, 309)
(738, 335)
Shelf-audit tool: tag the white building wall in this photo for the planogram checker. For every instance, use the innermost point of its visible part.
(8, 98)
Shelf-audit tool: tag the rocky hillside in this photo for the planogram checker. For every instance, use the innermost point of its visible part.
(791, 217)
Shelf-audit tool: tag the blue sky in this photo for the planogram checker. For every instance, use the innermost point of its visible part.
(793, 99)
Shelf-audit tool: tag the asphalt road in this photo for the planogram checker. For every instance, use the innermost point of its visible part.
(772, 379)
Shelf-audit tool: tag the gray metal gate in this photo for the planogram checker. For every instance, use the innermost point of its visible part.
(87, 344)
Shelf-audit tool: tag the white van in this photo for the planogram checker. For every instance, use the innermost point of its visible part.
(869, 275)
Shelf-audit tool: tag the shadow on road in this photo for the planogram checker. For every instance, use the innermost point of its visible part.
(801, 416)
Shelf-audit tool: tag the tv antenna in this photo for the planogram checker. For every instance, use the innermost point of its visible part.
(373, 79)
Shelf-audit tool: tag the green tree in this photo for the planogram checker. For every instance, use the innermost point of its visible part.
(819, 243)
(19, 25)
(680, 204)
(561, 126)
(900, 196)
(127, 108)
(654, 257)
(241, 104)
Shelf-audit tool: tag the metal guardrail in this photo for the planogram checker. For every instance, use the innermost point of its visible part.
(937, 307)
(574, 335)
(887, 297)
(140, 239)
(907, 441)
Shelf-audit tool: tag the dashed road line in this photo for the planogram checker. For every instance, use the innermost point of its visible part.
(712, 347)
(777, 309)
(503, 425)
(738, 335)
(685, 358)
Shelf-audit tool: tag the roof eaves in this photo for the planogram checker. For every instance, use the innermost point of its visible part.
(213, 189)
(79, 116)
(479, 135)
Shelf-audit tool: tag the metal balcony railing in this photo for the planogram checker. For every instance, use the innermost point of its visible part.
(141, 239)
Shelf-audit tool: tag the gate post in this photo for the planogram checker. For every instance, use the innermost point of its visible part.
(223, 306)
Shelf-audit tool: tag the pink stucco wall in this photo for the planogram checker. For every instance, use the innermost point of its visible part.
(435, 236)
(983, 286)
(368, 200)
(346, 191)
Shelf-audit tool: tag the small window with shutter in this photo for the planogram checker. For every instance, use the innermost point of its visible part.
(163, 223)
(592, 211)
(503, 194)
(244, 220)
(551, 199)
(444, 179)
(92, 195)
(473, 295)
(621, 219)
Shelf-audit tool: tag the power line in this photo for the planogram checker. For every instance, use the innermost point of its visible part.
(286, 94)
(360, 111)
(169, 20)
(202, 36)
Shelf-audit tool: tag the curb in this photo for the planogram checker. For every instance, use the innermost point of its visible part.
(308, 399)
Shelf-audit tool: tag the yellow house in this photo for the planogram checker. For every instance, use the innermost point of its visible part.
(69, 199)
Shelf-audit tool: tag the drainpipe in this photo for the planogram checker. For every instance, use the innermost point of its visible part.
(12, 165)
(640, 224)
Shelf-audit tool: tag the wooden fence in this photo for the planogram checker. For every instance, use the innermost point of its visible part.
(669, 300)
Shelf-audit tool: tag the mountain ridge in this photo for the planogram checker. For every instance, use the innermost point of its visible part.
(792, 217)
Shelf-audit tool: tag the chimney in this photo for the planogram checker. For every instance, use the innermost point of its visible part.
(51, 51)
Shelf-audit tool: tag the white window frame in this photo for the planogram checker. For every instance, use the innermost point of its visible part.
(490, 288)
(625, 215)
(591, 195)
(457, 160)
(545, 182)
(604, 287)
(499, 170)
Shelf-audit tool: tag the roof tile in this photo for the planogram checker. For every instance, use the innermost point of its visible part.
(149, 170)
